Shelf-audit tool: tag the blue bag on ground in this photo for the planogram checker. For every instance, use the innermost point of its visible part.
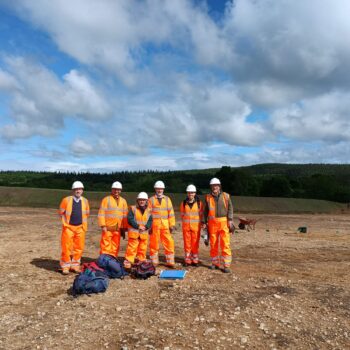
(112, 266)
(89, 282)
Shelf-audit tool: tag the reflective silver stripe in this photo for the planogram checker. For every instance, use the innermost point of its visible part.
(62, 210)
(171, 215)
(133, 230)
(191, 220)
(84, 219)
(158, 216)
(111, 216)
(68, 212)
(211, 217)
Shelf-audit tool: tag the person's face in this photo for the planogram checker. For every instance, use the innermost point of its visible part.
(116, 192)
(142, 202)
(215, 188)
(159, 191)
(78, 192)
(191, 195)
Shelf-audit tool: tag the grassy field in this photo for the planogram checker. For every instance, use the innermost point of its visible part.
(48, 198)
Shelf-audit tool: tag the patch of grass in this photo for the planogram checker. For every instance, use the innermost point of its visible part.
(48, 198)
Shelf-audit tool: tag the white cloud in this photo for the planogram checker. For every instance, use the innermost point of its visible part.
(325, 117)
(40, 101)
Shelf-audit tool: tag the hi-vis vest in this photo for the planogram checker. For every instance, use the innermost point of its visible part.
(65, 210)
(191, 217)
(162, 214)
(141, 219)
(112, 213)
(212, 207)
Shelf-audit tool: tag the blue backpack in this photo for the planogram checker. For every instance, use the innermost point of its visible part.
(90, 281)
(112, 266)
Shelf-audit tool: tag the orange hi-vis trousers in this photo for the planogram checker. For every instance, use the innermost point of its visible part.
(72, 244)
(219, 233)
(110, 243)
(191, 244)
(137, 248)
(161, 234)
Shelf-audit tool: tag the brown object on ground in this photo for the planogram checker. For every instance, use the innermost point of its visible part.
(248, 224)
(284, 292)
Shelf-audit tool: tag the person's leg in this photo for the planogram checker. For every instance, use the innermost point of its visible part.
(78, 247)
(195, 238)
(214, 245)
(154, 245)
(186, 232)
(142, 249)
(131, 252)
(66, 248)
(226, 254)
(115, 243)
(169, 246)
(106, 242)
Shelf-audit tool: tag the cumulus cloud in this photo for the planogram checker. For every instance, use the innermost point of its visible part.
(299, 46)
(325, 117)
(40, 100)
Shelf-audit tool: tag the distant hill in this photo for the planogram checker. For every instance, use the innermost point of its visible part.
(313, 181)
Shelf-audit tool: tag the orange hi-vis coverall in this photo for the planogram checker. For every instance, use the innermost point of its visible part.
(218, 231)
(73, 236)
(137, 241)
(163, 219)
(112, 215)
(191, 228)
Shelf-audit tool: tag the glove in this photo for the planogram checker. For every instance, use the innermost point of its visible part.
(172, 229)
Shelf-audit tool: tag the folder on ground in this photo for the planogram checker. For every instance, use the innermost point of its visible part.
(172, 274)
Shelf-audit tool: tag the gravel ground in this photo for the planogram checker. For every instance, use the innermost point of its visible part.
(286, 291)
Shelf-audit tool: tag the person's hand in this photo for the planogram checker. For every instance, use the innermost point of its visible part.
(229, 223)
(104, 228)
(204, 226)
(142, 228)
(172, 229)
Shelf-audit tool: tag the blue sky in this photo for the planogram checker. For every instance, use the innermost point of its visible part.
(116, 85)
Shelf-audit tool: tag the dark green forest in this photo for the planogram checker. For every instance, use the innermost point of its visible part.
(316, 181)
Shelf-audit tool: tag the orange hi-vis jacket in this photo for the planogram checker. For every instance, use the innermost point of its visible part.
(141, 219)
(191, 217)
(65, 210)
(162, 214)
(113, 212)
(212, 207)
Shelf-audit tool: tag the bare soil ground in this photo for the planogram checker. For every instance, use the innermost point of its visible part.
(287, 291)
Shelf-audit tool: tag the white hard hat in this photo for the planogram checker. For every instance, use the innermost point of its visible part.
(77, 184)
(159, 184)
(215, 181)
(142, 195)
(117, 185)
(191, 188)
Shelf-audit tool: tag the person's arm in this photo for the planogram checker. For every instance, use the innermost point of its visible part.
(205, 212)
(62, 211)
(87, 208)
(149, 222)
(101, 213)
(131, 220)
(124, 223)
(229, 209)
(201, 208)
(171, 214)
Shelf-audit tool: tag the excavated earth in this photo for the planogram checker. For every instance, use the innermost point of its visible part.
(287, 290)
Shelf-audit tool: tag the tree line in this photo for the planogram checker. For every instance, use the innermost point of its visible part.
(316, 181)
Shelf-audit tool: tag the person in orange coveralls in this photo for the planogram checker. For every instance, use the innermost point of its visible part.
(162, 226)
(218, 218)
(139, 221)
(112, 218)
(191, 210)
(74, 211)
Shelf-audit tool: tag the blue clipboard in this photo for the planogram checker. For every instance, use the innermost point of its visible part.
(173, 274)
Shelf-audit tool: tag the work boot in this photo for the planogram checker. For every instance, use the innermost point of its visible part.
(65, 270)
(195, 264)
(127, 264)
(226, 270)
(214, 267)
(171, 265)
(76, 269)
